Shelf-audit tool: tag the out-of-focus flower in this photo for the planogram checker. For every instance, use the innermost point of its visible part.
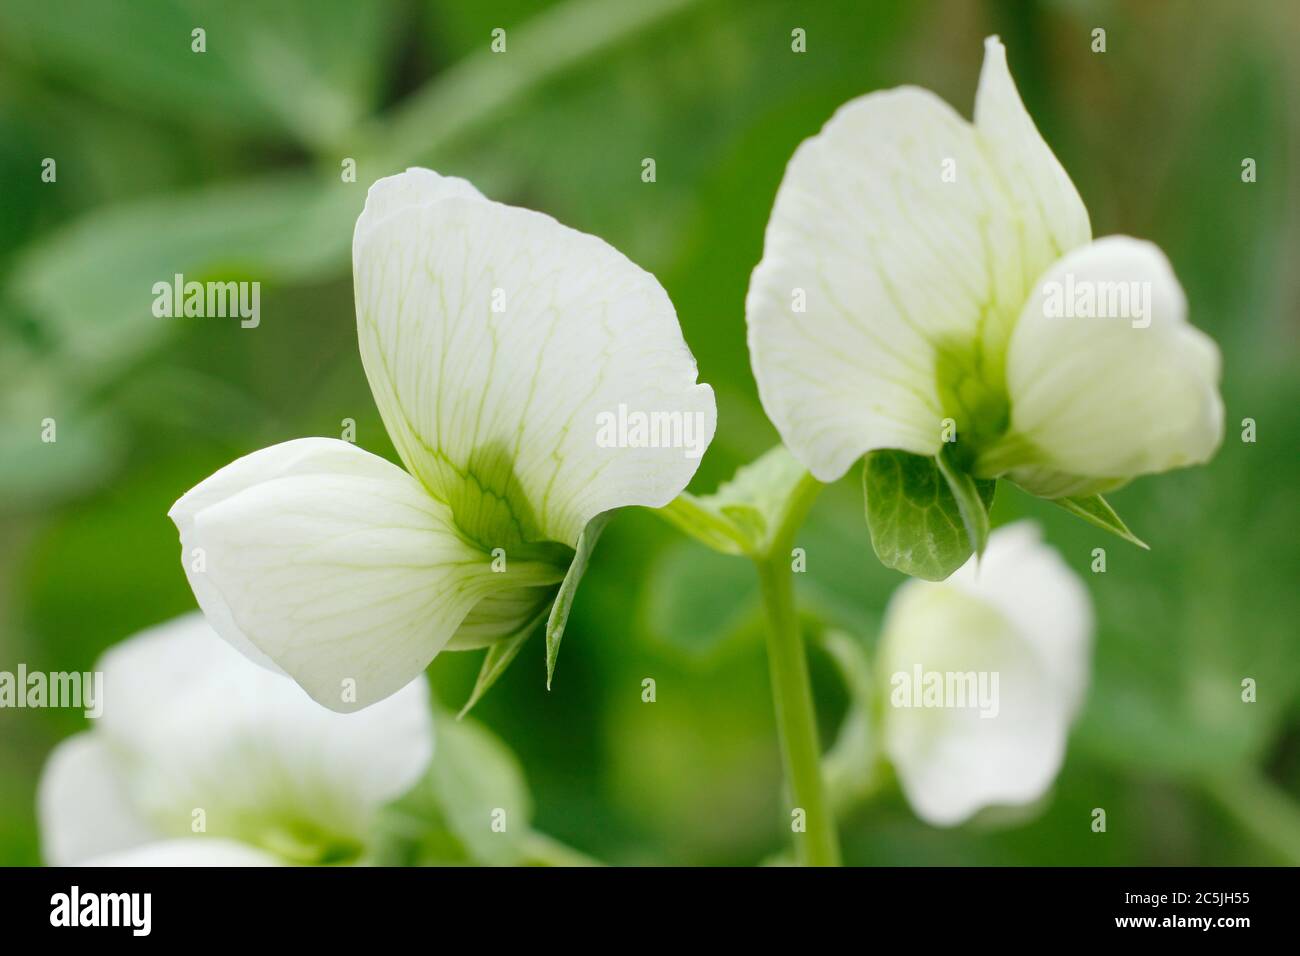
(928, 280)
(981, 677)
(204, 758)
(531, 378)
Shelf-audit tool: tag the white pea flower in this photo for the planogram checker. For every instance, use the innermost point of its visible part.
(531, 378)
(925, 279)
(204, 758)
(982, 676)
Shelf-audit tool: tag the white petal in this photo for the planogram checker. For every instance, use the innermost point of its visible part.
(954, 761)
(901, 247)
(198, 726)
(414, 187)
(1109, 397)
(336, 565)
(188, 851)
(1035, 589)
(82, 804)
(908, 274)
(498, 412)
(1045, 200)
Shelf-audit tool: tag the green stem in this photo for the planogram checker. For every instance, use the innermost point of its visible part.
(796, 718)
(1261, 808)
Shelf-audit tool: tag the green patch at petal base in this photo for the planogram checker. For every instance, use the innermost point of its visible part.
(971, 384)
(553, 608)
(486, 496)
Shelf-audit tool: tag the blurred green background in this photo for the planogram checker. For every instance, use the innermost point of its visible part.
(227, 164)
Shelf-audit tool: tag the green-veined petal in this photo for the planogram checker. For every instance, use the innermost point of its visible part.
(194, 725)
(1007, 642)
(529, 374)
(335, 565)
(1107, 379)
(82, 805)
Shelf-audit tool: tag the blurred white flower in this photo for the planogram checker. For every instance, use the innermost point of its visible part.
(918, 268)
(500, 346)
(195, 737)
(1019, 625)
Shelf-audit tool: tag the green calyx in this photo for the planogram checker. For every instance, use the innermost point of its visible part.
(503, 622)
(925, 520)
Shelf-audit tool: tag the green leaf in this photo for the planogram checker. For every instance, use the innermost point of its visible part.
(473, 782)
(499, 656)
(741, 516)
(1096, 510)
(305, 68)
(90, 284)
(568, 588)
(473, 93)
(915, 521)
(474, 775)
(974, 512)
(52, 444)
(698, 518)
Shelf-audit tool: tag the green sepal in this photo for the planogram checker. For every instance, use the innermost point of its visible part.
(741, 516)
(499, 656)
(1097, 511)
(917, 524)
(971, 506)
(568, 588)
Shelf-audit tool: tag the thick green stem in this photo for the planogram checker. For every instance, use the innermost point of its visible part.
(816, 843)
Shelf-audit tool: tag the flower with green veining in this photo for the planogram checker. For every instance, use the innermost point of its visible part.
(931, 287)
(203, 758)
(501, 348)
(981, 676)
